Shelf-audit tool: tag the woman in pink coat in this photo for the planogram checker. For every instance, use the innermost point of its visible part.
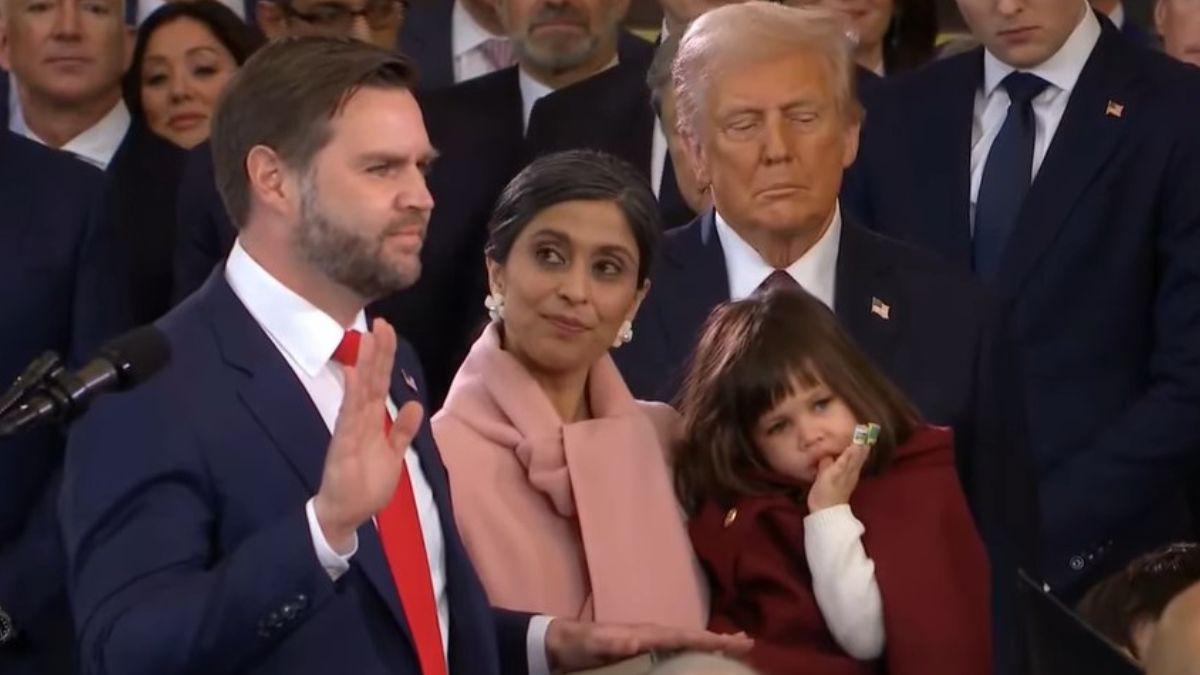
(559, 477)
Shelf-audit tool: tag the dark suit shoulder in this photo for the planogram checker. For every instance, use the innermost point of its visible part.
(480, 88)
(29, 163)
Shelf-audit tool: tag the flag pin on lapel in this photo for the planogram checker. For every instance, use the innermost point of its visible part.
(1115, 109)
(881, 309)
(408, 379)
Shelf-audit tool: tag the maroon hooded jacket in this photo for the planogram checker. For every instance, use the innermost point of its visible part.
(930, 565)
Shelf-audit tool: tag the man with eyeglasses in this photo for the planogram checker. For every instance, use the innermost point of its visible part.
(376, 22)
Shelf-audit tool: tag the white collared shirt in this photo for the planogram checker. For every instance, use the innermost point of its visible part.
(658, 158)
(307, 338)
(96, 145)
(1062, 71)
(531, 91)
(1117, 16)
(815, 271)
(466, 42)
(146, 7)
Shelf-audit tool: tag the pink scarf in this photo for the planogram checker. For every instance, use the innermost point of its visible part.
(608, 474)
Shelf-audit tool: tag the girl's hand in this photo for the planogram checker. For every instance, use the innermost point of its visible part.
(837, 478)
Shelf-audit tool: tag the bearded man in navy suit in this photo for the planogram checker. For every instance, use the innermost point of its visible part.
(273, 501)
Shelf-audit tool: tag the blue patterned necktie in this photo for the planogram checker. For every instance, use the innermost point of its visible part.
(1007, 174)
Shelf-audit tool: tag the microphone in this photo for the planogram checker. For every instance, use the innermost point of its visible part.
(122, 364)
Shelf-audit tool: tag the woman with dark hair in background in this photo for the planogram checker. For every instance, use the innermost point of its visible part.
(892, 35)
(561, 486)
(186, 53)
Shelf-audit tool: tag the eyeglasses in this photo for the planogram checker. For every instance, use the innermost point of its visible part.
(336, 17)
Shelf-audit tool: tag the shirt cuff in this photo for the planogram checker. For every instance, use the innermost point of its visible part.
(335, 564)
(535, 645)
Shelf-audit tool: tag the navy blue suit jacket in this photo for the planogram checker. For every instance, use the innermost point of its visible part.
(1101, 277)
(53, 285)
(941, 344)
(204, 233)
(140, 201)
(184, 520)
(138, 206)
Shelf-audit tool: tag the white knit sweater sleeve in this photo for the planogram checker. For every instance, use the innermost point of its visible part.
(844, 581)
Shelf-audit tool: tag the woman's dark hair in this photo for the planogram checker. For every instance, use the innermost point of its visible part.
(751, 355)
(576, 175)
(911, 39)
(1140, 592)
(235, 35)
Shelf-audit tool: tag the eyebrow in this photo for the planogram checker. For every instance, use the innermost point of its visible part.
(563, 237)
(384, 156)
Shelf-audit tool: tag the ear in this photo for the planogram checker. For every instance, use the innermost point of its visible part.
(1160, 16)
(271, 183)
(495, 273)
(271, 19)
(696, 157)
(637, 302)
(5, 62)
(850, 141)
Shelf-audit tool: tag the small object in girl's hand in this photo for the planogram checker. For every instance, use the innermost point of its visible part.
(873, 433)
(861, 434)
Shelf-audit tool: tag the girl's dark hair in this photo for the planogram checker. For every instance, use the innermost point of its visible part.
(751, 355)
(576, 175)
(235, 35)
(911, 39)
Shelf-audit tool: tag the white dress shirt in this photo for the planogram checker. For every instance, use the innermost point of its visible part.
(815, 271)
(992, 102)
(147, 7)
(658, 158)
(466, 42)
(1117, 16)
(307, 338)
(96, 145)
(531, 91)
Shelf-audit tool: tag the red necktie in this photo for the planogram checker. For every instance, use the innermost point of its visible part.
(404, 546)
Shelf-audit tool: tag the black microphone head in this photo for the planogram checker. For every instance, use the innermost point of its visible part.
(136, 355)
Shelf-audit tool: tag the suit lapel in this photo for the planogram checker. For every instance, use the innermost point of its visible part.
(281, 406)
(943, 132)
(1086, 137)
(695, 279)
(867, 300)
(271, 393)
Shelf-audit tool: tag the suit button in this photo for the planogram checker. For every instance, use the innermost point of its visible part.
(301, 601)
(1076, 563)
(289, 611)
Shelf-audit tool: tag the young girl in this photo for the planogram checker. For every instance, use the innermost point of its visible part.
(837, 557)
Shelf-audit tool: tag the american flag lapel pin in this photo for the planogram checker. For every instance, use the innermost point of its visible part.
(881, 309)
(408, 379)
(1115, 109)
